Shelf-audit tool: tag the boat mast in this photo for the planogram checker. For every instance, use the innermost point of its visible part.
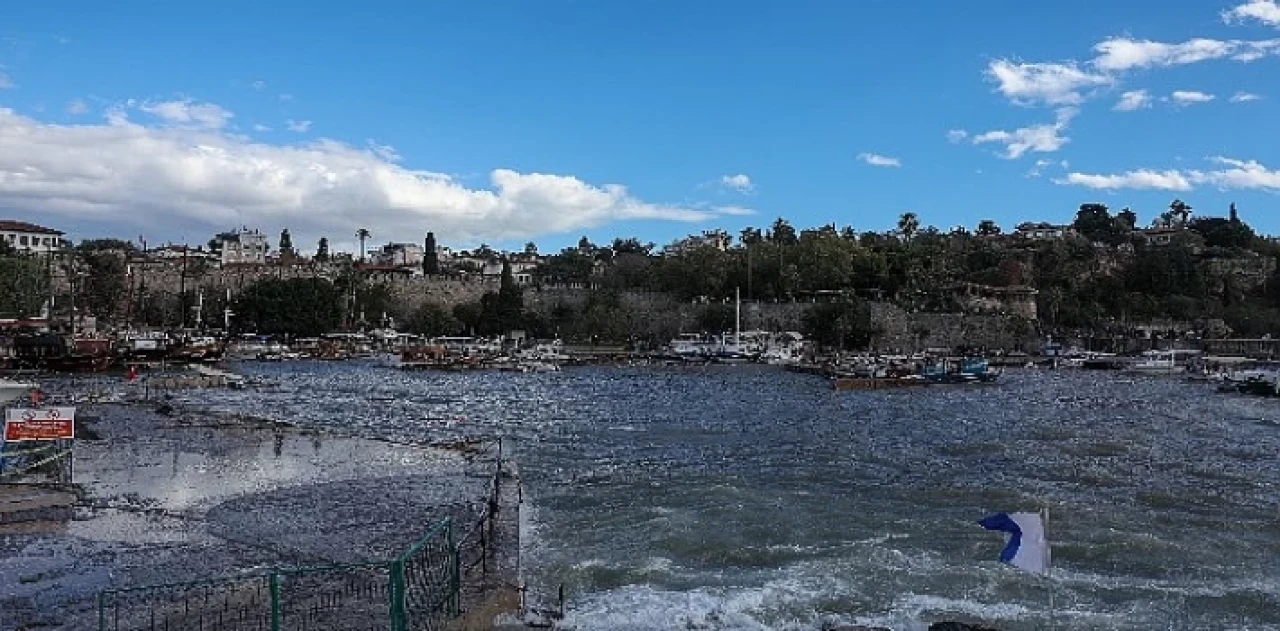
(737, 319)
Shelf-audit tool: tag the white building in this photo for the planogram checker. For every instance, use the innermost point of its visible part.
(1043, 231)
(28, 237)
(399, 255)
(243, 247)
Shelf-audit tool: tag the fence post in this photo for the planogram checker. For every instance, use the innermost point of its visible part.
(275, 602)
(455, 580)
(399, 615)
(102, 611)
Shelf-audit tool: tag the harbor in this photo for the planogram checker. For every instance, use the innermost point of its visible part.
(164, 478)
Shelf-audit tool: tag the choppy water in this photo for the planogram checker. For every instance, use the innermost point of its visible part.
(750, 498)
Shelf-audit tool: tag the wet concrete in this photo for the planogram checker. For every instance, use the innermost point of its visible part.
(186, 495)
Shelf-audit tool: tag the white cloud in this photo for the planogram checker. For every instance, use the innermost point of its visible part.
(740, 183)
(258, 85)
(1140, 179)
(957, 135)
(1265, 11)
(285, 97)
(1133, 100)
(1048, 83)
(261, 127)
(877, 160)
(188, 111)
(77, 107)
(1231, 174)
(185, 179)
(5, 81)
(1190, 97)
(1247, 174)
(734, 211)
(1037, 138)
(1245, 97)
(1118, 54)
(298, 126)
(1038, 169)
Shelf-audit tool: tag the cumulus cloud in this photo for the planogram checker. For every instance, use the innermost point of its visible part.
(740, 183)
(1245, 97)
(258, 85)
(261, 127)
(877, 160)
(1241, 174)
(77, 107)
(177, 179)
(188, 111)
(1133, 100)
(1190, 97)
(1264, 11)
(298, 126)
(1044, 83)
(956, 135)
(5, 81)
(1229, 174)
(1036, 138)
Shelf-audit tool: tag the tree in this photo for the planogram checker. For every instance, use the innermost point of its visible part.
(430, 255)
(362, 234)
(1095, 222)
(988, 228)
(845, 324)
(1223, 233)
(1128, 219)
(322, 250)
(1180, 211)
(908, 225)
(631, 245)
(716, 318)
(531, 248)
(584, 244)
(24, 283)
(782, 233)
(301, 307)
(102, 266)
(432, 320)
(750, 236)
(286, 241)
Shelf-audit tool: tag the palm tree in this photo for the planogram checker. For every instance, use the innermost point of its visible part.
(362, 234)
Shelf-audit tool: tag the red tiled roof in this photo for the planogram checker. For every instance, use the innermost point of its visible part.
(10, 225)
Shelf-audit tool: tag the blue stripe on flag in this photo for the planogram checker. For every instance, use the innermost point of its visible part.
(1004, 523)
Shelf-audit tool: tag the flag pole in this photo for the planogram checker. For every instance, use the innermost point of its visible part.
(1048, 565)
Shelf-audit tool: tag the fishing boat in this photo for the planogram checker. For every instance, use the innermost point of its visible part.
(58, 353)
(969, 370)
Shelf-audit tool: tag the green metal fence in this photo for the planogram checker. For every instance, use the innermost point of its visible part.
(417, 591)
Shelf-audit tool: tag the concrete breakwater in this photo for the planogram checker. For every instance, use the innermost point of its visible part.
(182, 494)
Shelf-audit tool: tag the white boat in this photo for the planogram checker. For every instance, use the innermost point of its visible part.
(11, 390)
(1161, 362)
(536, 366)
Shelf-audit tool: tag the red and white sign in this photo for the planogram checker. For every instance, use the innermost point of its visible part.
(22, 424)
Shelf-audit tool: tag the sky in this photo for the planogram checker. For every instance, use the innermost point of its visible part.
(502, 122)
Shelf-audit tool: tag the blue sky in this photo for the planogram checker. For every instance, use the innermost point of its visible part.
(508, 121)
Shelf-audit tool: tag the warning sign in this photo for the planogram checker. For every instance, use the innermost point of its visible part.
(39, 424)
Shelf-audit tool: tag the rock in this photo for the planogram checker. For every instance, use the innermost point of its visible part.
(959, 626)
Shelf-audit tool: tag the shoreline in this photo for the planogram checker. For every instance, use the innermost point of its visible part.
(168, 494)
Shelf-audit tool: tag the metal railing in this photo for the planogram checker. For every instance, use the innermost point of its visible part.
(420, 590)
